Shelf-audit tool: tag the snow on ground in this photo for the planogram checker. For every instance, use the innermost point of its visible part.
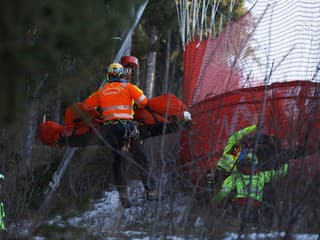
(108, 216)
(273, 235)
(107, 220)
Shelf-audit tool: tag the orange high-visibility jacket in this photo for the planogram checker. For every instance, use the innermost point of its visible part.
(116, 100)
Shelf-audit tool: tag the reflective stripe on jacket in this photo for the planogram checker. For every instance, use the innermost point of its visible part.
(249, 186)
(116, 100)
(228, 159)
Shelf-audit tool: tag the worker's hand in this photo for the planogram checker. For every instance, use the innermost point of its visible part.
(187, 116)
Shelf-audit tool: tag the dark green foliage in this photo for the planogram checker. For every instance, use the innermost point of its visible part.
(37, 37)
(161, 14)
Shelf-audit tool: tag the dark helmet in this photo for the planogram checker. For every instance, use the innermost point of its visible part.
(261, 140)
(247, 161)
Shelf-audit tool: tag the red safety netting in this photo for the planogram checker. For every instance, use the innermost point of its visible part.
(291, 113)
(223, 96)
(211, 66)
(192, 63)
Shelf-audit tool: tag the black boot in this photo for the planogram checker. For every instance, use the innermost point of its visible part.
(124, 199)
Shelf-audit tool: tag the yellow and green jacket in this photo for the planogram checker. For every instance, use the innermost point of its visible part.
(247, 186)
(2, 215)
(233, 149)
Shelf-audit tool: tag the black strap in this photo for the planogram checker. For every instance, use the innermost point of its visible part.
(153, 113)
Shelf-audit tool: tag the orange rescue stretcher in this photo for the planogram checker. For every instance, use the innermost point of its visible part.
(163, 114)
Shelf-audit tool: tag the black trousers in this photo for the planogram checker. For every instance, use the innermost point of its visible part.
(123, 137)
(219, 176)
(116, 135)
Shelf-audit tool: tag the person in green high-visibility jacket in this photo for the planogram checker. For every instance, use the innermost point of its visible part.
(227, 163)
(2, 212)
(2, 215)
(233, 148)
(248, 182)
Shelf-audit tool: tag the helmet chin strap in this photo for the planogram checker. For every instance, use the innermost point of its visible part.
(116, 79)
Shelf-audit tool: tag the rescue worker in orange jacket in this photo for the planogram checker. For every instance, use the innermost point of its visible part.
(116, 100)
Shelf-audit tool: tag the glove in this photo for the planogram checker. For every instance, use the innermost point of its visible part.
(186, 116)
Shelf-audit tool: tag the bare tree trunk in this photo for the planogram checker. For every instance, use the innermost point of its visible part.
(151, 66)
(31, 122)
(165, 84)
(57, 111)
(175, 85)
(31, 116)
(3, 148)
(178, 89)
(150, 79)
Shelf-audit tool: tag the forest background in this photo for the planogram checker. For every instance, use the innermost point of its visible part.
(53, 54)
